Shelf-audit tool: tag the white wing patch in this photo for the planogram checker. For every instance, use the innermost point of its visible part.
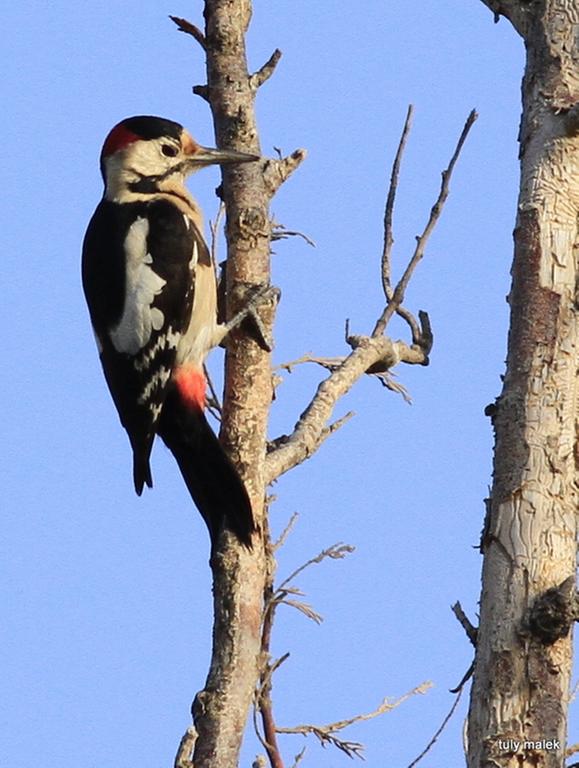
(157, 382)
(139, 317)
(168, 340)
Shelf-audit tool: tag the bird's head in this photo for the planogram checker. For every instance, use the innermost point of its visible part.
(143, 154)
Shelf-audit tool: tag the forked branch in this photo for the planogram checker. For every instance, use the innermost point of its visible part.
(326, 734)
(375, 354)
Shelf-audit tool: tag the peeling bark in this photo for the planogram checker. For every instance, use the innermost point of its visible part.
(520, 692)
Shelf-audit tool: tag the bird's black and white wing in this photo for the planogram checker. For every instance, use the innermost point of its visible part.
(139, 279)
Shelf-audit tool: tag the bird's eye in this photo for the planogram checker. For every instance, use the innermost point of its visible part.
(169, 150)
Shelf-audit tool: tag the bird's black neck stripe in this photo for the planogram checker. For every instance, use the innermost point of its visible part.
(149, 185)
(148, 182)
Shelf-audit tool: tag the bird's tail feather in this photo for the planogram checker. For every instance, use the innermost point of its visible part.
(207, 470)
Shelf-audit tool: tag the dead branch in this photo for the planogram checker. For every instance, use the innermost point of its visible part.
(389, 209)
(190, 29)
(334, 552)
(285, 533)
(279, 232)
(273, 598)
(266, 71)
(464, 680)
(398, 295)
(183, 759)
(262, 698)
(326, 733)
(386, 378)
(201, 90)
(298, 758)
(330, 363)
(373, 354)
(275, 172)
(463, 620)
(308, 433)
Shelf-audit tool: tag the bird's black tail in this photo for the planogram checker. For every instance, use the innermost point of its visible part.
(209, 474)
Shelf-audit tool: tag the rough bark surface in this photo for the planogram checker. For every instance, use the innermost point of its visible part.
(220, 710)
(520, 693)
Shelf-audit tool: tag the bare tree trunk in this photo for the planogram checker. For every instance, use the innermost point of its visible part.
(239, 575)
(520, 693)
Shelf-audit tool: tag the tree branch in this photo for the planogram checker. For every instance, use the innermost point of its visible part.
(436, 736)
(389, 209)
(266, 71)
(326, 733)
(398, 295)
(307, 434)
(185, 751)
(190, 29)
(375, 354)
(275, 172)
(463, 620)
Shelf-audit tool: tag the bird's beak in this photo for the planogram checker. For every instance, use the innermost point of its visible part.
(208, 156)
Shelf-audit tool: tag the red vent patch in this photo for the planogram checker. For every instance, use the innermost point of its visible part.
(191, 385)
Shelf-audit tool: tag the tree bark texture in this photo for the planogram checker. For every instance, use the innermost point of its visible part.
(520, 694)
(220, 710)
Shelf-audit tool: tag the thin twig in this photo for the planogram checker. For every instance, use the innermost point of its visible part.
(465, 678)
(266, 71)
(330, 363)
(386, 378)
(421, 240)
(285, 533)
(185, 751)
(279, 232)
(298, 758)
(436, 736)
(463, 620)
(272, 599)
(335, 552)
(213, 402)
(389, 209)
(325, 733)
(262, 699)
(190, 29)
(300, 605)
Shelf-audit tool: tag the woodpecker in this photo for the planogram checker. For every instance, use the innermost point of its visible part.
(150, 285)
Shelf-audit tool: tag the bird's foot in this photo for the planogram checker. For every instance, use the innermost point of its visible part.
(260, 296)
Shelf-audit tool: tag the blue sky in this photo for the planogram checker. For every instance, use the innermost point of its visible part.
(105, 597)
